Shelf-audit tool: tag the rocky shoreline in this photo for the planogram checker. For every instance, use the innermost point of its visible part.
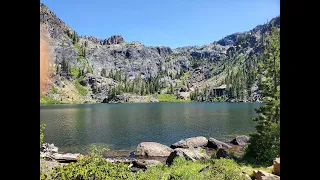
(148, 154)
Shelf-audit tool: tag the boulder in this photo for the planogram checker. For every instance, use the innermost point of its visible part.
(276, 166)
(262, 175)
(145, 163)
(213, 143)
(246, 176)
(240, 140)
(68, 157)
(192, 142)
(152, 149)
(222, 153)
(49, 148)
(189, 154)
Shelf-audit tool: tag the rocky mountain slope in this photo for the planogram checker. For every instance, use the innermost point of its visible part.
(88, 70)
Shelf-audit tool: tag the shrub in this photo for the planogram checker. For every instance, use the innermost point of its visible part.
(54, 89)
(226, 169)
(42, 126)
(92, 166)
(264, 146)
(82, 90)
(183, 169)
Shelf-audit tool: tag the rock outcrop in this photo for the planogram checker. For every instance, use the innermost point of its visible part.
(192, 142)
(152, 149)
(194, 65)
(189, 154)
(116, 39)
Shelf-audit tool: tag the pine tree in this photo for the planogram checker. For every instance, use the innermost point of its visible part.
(126, 77)
(64, 65)
(147, 88)
(83, 51)
(74, 37)
(132, 87)
(80, 73)
(265, 144)
(111, 74)
(58, 69)
(171, 88)
(69, 68)
(142, 92)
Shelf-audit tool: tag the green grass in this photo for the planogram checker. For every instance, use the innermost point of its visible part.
(169, 98)
(54, 89)
(75, 71)
(48, 100)
(78, 47)
(82, 90)
(94, 166)
(186, 75)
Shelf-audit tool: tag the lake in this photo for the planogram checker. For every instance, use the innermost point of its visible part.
(74, 128)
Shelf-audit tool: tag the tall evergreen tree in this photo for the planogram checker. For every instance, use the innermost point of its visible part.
(171, 88)
(265, 144)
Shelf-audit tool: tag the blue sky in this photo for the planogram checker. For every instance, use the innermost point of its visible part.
(172, 23)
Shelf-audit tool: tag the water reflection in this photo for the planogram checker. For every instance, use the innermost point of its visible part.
(124, 126)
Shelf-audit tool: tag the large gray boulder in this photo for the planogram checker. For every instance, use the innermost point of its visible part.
(189, 154)
(192, 142)
(152, 149)
(49, 148)
(262, 175)
(240, 140)
(68, 157)
(213, 143)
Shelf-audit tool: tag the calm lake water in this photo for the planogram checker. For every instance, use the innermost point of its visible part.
(73, 128)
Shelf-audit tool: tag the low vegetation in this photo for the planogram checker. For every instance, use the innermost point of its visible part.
(169, 98)
(48, 100)
(82, 90)
(94, 166)
(42, 126)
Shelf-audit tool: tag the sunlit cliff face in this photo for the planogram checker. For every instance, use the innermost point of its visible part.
(44, 58)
